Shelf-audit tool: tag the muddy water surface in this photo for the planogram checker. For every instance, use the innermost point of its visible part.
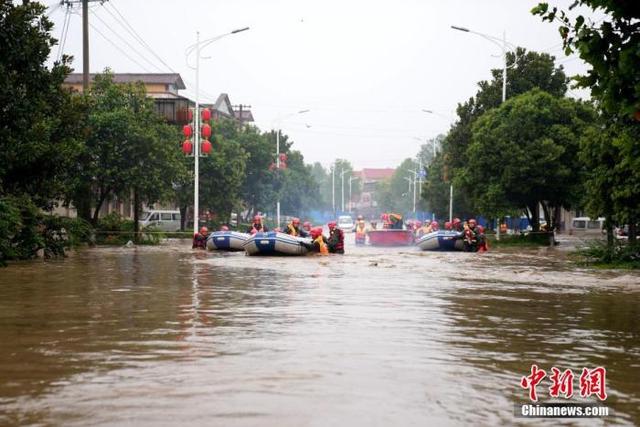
(168, 336)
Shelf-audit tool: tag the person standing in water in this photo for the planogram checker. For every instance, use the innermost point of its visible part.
(257, 226)
(361, 232)
(336, 239)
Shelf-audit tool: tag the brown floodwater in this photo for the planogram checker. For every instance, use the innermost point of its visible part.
(155, 336)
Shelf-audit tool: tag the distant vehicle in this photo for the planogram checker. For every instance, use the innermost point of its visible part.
(165, 220)
(584, 225)
(345, 223)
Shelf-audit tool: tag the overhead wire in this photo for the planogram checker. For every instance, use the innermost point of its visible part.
(126, 42)
(125, 24)
(119, 48)
(63, 35)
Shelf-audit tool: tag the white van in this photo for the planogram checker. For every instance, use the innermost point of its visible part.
(584, 225)
(165, 220)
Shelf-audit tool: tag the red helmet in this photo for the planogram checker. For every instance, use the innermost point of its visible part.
(224, 228)
(257, 218)
(204, 230)
(332, 225)
(418, 223)
(447, 225)
(296, 221)
(435, 225)
(316, 232)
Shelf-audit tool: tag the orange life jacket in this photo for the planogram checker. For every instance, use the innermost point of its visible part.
(323, 246)
(292, 230)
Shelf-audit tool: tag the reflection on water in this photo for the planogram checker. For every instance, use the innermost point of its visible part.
(165, 336)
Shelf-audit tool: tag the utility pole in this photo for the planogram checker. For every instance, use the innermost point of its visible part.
(342, 177)
(85, 45)
(333, 188)
(85, 37)
(240, 108)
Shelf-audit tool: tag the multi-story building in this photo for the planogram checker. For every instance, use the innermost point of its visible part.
(164, 89)
(369, 179)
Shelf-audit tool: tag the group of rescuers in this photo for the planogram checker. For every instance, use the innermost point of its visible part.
(471, 232)
(334, 244)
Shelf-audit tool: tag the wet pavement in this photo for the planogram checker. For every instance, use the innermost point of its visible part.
(165, 335)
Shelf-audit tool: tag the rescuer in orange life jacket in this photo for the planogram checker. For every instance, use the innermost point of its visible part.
(257, 226)
(200, 239)
(319, 243)
(360, 229)
(336, 239)
(293, 229)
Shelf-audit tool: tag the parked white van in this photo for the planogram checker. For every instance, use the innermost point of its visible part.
(584, 225)
(165, 220)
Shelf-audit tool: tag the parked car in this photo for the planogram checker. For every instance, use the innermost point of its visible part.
(345, 223)
(165, 220)
(584, 225)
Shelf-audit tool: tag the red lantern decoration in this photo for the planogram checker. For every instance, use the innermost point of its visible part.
(206, 115)
(187, 131)
(187, 147)
(189, 115)
(205, 147)
(206, 131)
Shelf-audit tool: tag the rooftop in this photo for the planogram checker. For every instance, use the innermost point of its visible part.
(375, 174)
(147, 78)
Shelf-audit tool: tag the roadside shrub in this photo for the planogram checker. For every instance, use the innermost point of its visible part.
(112, 229)
(620, 254)
(25, 230)
(528, 239)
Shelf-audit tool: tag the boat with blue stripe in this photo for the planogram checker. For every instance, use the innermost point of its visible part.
(441, 240)
(274, 243)
(226, 241)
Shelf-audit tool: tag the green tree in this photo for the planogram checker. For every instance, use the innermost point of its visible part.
(40, 124)
(258, 192)
(610, 46)
(523, 154)
(612, 158)
(128, 149)
(527, 70)
(223, 172)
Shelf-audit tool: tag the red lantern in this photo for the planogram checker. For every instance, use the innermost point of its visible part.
(206, 115)
(206, 131)
(189, 115)
(205, 147)
(187, 131)
(187, 147)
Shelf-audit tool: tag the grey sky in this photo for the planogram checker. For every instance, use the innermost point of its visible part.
(365, 68)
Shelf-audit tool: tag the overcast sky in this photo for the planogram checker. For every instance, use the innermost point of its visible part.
(364, 68)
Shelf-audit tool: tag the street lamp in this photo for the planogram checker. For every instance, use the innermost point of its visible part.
(279, 121)
(197, 47)
(506, 48)
(351, 179)
(342, 177)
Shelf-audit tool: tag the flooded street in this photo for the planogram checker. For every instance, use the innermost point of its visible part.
(165, 335)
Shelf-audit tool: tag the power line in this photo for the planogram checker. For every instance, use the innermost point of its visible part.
(125, 41)
(125, 24)
(119, 48)
(63, 35)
